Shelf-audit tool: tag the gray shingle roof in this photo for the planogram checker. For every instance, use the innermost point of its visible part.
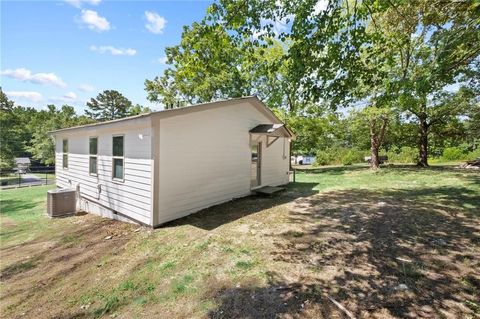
(266, 128)
(22, 160)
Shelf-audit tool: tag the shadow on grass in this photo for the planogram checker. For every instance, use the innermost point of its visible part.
(360, 246)
(332, 170)
(339, 170)
(225, 213)
(436, 168)
(450, 199)
(13, 207)
(278, 298)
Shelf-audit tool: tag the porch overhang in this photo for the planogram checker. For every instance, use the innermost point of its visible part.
(273, 132)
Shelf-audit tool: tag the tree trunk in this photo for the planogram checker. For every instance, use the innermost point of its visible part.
(375, 161)
(423, 143)
(376, 140)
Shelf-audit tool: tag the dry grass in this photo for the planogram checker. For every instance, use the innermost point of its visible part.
(338, 232)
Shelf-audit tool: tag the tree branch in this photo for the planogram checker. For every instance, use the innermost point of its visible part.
(382, 130)
(463, 60)
(415, 113)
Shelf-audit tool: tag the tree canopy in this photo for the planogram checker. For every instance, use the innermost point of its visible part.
(393, 57)
(108, 105)
(24, 130)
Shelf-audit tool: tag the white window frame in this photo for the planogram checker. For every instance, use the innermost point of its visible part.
(65, 154)
(119, 157)
(91, 155)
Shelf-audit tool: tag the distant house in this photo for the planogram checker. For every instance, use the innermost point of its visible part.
(160, 166)
(23, 164)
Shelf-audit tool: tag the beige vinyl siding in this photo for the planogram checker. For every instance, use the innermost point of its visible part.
(205, 158)
(175, 162)
(130, 197)
(275, 162)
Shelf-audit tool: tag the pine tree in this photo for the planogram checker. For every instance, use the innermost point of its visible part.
(108, 105)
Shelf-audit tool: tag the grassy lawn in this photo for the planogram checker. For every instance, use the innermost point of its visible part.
(23, 214)
(43, 175)
(401, 242)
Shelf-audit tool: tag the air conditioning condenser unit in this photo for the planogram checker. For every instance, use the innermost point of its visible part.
(61, 202)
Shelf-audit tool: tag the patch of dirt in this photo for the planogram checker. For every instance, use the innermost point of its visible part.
(38, 275)
(8, 223)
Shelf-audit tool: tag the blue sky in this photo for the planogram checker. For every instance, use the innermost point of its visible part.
(65, 52)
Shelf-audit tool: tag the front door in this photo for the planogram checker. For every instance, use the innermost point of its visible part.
(256, 150)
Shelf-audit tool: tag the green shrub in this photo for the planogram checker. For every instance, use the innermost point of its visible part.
(404, 155)
(322, 158)
(473, 155)
(350, 157)
(6, 163)
(338, 155)
(347, 160)
(453, 154)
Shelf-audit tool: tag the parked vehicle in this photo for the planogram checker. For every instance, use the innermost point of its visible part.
(303, 159)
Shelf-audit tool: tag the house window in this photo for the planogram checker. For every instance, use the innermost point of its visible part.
(118, 157)
(65, 153)
(93, 147)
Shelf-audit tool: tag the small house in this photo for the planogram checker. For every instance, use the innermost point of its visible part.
(23, 164)
(157, 167)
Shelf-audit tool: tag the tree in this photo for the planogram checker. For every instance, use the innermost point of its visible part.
(5, 103)
(473, 125)
(379, 51)
(206, 66)
(435, 47)
(332, 58)
(9, 142)
(376, 119)
(472, 93)
(209, 64)
(138, 109)
(108, 105)
(315, 131)
(42, 145)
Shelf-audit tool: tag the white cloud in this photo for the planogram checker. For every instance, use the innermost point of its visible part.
(162, 60)
(320, 6)
(26, 75)
(112, 50)
(86, 88)
(94, 21)
(156, 23)
(78, 3)
(25, 95)
(70, 96)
